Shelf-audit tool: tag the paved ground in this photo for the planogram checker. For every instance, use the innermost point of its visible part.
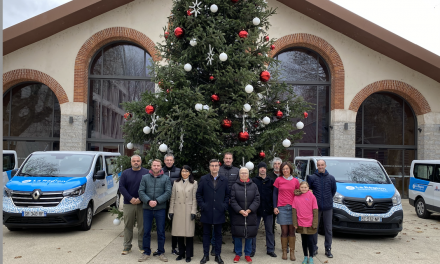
(417, 243)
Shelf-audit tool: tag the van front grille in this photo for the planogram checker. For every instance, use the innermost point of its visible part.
(359, 206)
(46, 199)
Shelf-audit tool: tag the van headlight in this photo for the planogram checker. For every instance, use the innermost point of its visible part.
(338, 198)
(7, 192)
(396, 198)
(75, 191)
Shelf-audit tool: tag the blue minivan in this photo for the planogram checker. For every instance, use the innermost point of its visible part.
(60, 188)
(366, 201)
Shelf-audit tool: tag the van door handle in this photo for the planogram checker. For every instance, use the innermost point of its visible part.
(103, 184)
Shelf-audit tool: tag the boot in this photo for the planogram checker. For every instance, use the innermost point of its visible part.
(284, 246)
(292, 241)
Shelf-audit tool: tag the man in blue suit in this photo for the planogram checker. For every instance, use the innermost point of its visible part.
(213, 199)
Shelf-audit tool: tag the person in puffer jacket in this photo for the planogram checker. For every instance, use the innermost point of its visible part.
(323, 186)
(245, 200)
(305, 220)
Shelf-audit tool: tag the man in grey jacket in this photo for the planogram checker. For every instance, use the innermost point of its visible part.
(154, 192)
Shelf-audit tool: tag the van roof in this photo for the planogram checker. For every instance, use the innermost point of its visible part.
(9, 152)
(78, 152)
(426, 161)
(334, 158)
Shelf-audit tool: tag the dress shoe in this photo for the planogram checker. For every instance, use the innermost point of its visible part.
(272, 254)
(204, 259)
(156, 253)
(180, 257)
(252, 254)
(218, 259)
(188, 259)
(213, 250)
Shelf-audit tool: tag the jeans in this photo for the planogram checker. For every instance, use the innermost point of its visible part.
(327, 217)
(270, 238)
(238, 246)
(149, 215)
(207, 230)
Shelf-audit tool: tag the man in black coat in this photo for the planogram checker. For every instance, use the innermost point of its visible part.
(323, 186)
(274, 174)
(213, 199)
(265, 211)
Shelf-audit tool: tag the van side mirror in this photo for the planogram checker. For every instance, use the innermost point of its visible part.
(100, 175)
(13, 172)
(393, 180)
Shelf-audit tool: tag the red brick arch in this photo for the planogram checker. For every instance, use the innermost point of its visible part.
(94, 43)
(14, 77)
(409, 93)
(329, 54)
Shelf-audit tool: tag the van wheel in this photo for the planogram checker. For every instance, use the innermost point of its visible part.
(87, 223)
(421, 209)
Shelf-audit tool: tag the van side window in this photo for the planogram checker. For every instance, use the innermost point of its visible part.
(110, 164)
(98, 165)
(424, 171)
(301, 168)
(437, 174)
(312, 168)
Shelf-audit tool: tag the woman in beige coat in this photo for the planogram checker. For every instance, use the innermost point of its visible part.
(183, 208)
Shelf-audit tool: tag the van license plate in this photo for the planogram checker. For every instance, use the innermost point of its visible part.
(33, 214)
(370, 218)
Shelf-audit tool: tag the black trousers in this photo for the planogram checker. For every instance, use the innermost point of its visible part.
(307, 244)
(174, 242)
(188, 249)
(207, 229)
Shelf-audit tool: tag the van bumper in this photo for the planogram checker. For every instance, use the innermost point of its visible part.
(345, 223)
(52, 220)
(411, 202)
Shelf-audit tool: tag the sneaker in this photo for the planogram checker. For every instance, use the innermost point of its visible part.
(156, 253)
(311, 260)
(126, 251)
(328, 253)
(163, 258)
(248, 259)
(237, 258)
(306, 260)
(175, 251)
(144, 257)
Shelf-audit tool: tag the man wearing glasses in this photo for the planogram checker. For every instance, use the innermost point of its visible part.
(213, 199)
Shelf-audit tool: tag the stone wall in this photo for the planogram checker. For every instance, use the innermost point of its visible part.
(73, 135)
(428, 140)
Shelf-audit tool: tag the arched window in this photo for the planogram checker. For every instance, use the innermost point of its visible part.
(31, 119)
(308, 75)
(119, 73)
(386, 131)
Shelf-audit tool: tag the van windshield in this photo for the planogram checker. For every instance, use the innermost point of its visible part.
(57, 165)
(357, 171)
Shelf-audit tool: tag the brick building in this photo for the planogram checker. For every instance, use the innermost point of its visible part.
(67, 70)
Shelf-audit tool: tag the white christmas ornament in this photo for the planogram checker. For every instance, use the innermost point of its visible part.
(163, 147)
(249, 88)
(117, 221)
(249, 165)
(286, 143)
(223, 56)
(210, 57)
(266, 120)
(147, 130)
(199, 107)
(256, 21)
(246, 107)
(300, 125)
(193, 42)
(130, 145)
(187, 67)
(206, 107)
(196, 8)
(214, 8)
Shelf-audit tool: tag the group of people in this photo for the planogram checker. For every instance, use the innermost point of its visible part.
(174, 193)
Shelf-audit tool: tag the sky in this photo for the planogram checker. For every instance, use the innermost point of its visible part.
(415, 20)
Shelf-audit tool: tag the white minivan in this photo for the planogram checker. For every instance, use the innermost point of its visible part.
(9, 163)
(60, 188)
(424, 187)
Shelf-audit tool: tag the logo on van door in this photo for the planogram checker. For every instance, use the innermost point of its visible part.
(351, 188)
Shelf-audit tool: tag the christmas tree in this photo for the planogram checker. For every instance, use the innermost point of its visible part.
(219, 89)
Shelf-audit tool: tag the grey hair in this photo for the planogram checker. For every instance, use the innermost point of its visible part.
(168, 155)
(136, 155)
(276, 159)
(244, 168)
(321, 160)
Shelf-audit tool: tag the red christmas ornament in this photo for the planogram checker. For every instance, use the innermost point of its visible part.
(259, 54)
(306, 115)
(211, 78)
(215, 98)
(264, 76)
(226, 123)
(166, 34)
(234, 1)
(279, 114)
(161, 85)
(128, 115)
(243, 34)
(266, 38)
(243, 136)
(168, 91)
(278, 101)
(188, 12)
(272, 47)
(262, 155)
(178, 32)
(149, 109)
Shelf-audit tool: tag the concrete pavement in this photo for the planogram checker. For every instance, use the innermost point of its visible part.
(417, 243)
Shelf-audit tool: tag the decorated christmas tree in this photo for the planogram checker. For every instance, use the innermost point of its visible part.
(218, 88)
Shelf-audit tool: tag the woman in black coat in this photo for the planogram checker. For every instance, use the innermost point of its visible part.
(245, 200)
